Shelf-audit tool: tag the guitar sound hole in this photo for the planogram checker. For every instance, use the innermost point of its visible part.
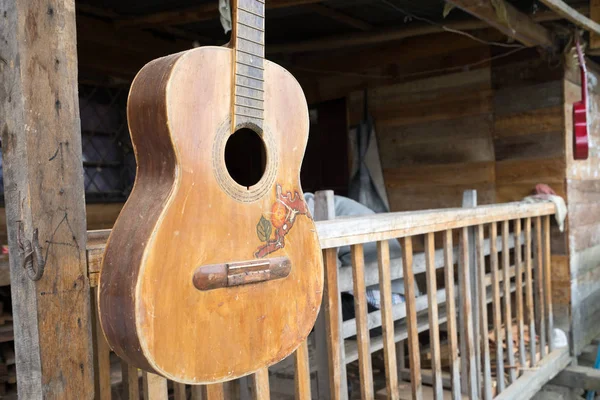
(245, 157)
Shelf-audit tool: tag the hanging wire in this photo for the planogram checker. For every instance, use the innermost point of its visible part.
(464, 67)
(447, 29)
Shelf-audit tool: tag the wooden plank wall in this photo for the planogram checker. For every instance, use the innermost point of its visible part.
(530, 148)
(498, 129)
(435, 139)
(583, 190)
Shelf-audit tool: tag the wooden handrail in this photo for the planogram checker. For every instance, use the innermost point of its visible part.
(371, 228)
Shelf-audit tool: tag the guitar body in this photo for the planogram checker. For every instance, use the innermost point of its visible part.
(161, 306)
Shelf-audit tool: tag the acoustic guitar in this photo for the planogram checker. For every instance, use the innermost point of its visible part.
(213, 269)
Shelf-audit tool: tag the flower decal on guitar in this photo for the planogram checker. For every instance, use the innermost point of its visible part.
(282, 217)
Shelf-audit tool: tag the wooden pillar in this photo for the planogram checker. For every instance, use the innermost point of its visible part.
(43, 178)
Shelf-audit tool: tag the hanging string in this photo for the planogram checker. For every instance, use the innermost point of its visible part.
(464, 67)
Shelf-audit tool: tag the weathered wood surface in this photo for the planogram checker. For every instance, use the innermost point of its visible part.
(43, 181)
(260, 383)
(302, 378)
(362, 329)
(451, 314)
(513, 22)
(483, 319)
(413, 337)
(155, 387)
(529, 293)
(569, 13)
(578, 377)
(530, 383)
(508, 338)
(331, 305)
(389, 346)
(496, 311)
(434, 329)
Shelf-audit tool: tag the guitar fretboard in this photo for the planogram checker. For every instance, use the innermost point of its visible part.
(248, 71)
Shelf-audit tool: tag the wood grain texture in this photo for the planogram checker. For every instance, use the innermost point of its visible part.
(434, 330)
(166, 117)
(362, 328)
(389, 346)
(179, 391)
(508, 338)
(333, 317)
(302, 378)
(539, 285)
(483, 319)
(513, 22)
(546, 257)
(411, 319)
(102, 389)
(496, 310)
(529, 293)
(260, 385)
(131, 381)
(155, 387)
(451, 312)
(43, 188)
(469, 356)
(519, 266)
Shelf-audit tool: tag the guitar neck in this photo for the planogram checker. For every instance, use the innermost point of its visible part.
(248, 38)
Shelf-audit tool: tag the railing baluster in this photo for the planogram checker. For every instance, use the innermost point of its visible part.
(519, 293)
(260, 385)
(179, 391)
(302, 379)
(483, 320)
(411, 319)
(389, 346)
(548, 284)
(496, 306)
(467, 313)
(155, 387)
(510, 355)
(434, 330)
(451, 313)
(529, 293)
(131, 381)
(198, 392)
(331, 303)
(362, 327)
(102, 356)
(539, 278)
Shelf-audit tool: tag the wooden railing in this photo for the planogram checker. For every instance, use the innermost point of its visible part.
(501, 252)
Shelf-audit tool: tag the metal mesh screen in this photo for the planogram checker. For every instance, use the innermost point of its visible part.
(108, 159)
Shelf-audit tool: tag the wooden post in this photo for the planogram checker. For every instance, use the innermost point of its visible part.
(325, 210)
(43, 178)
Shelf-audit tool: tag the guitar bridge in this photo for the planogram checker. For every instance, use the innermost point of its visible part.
(215, 276)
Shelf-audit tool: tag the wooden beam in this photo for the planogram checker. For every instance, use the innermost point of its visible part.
(203, 12)
(594, 16)
(363, 39)
(41, 150)
(507, 19)
(531, 381)
(339, 16)
(569, 13)
(579, 378)
(390, 35)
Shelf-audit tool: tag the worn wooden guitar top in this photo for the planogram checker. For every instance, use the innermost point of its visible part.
(205, 279)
